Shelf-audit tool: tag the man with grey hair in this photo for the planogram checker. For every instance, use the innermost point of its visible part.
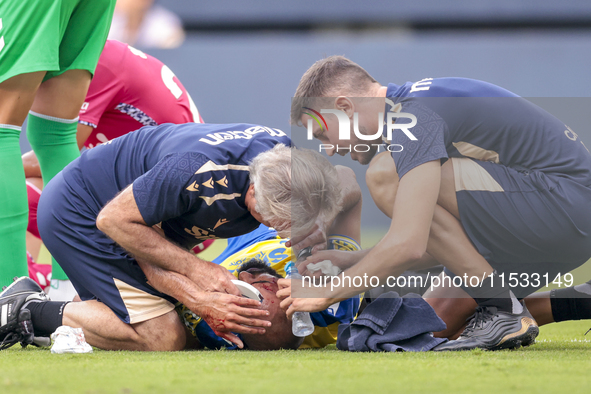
(302, 188)
(484, 182)
(144, 200)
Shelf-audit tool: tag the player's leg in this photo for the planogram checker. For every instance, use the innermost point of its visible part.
(540, 306)
(571, 303)
(51, 130)
(53, 121)
(453, 304)
(34, 187)
(447, 232)
(16, 96)
(30, 33)
(39, 269)
(24, 301)
(449, 245)
(130, 309)
(84, 25)
(103, 329)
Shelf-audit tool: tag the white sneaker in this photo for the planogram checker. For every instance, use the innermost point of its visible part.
(62, 290)
(69, 340)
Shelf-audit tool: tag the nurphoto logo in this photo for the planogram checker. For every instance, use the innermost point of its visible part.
(345, 128)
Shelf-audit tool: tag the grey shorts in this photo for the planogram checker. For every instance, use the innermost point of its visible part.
(524, 221)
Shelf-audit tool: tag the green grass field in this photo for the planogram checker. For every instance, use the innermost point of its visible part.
(559, 362)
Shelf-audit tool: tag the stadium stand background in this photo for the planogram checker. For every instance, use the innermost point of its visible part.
(242, 60)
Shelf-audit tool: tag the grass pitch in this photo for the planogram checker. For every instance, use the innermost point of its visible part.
(559, 362)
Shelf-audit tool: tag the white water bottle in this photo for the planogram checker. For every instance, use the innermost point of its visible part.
(302, 325)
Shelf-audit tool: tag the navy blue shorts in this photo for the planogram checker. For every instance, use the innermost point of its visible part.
(98, 267)
(524, 221)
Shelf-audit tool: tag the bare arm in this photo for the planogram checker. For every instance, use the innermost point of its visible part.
(380, 179)
(224, 313)
(84, 131)
(404, 244)
(122, 221)
(31, 165)
(135, 11)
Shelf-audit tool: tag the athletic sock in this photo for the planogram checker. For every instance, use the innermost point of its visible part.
(54, 142)
(14, 210)
(46, 316)
(572, 303)
(492, 293)
(62, 290)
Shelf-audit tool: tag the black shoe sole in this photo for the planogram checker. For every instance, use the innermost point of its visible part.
(5, 297)
(17, 281)
(7, 288)
(524, 337)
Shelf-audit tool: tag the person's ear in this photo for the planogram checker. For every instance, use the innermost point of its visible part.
(245, 276)
(249, 197)
(346, 105)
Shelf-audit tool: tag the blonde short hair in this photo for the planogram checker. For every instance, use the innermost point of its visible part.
(330, 77)
(293, 187)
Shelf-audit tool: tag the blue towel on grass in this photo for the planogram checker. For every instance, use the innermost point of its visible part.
(390, 324)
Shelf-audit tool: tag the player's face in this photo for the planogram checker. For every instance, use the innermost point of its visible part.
(267, 285)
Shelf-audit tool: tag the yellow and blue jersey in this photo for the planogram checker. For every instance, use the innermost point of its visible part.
(264, 244)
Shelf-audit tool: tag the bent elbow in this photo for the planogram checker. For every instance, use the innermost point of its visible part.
(411, 252)
(416, 254)
(104, 221)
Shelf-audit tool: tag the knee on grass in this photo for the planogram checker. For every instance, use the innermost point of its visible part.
(165, 333)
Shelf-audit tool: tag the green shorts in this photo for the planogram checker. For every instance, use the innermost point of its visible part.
(52, 35)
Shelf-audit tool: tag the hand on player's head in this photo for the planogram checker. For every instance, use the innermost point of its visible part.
(316, 239)
(279, 335)
(264, 279)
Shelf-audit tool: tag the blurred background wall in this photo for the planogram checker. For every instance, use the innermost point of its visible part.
(241, 60)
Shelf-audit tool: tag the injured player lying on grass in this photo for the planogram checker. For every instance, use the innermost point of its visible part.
(225, 312)
(279, 336)
(198, 333)
(261, 275)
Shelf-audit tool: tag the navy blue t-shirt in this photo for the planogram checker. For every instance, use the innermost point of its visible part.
(459, 117)
(192, 178)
